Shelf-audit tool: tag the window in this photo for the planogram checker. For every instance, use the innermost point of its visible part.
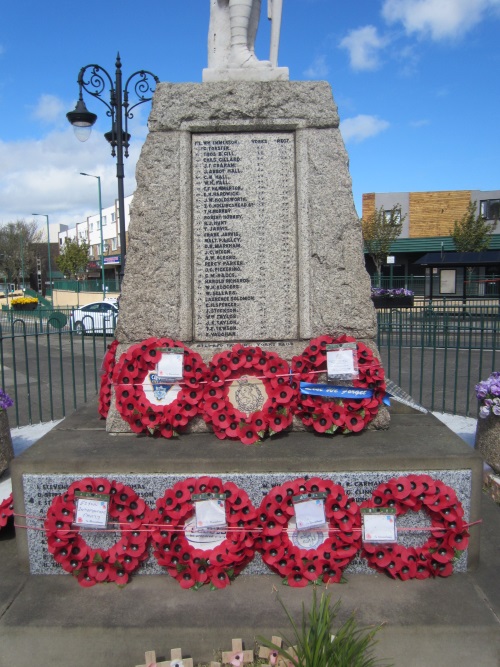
(396, 216)
(490, 209)
(113, 243)
(104, 221)
(91, 226)
(112, 217)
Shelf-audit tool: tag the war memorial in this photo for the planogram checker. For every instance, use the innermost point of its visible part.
(248, 432)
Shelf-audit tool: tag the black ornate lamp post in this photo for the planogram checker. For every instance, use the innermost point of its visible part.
(94, 79)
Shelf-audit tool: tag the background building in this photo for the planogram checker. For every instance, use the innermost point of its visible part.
(425, 248)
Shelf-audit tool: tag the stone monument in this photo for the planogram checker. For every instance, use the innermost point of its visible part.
(243, 231)
(243, 226)
(231, 42)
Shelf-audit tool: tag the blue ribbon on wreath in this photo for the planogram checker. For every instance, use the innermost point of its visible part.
(333, 391)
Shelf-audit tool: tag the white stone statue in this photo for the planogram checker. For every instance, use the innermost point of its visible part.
(231, 42)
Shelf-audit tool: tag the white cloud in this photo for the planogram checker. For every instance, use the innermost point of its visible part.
(364, 45)
(44, 175)
(362, 127)
(50, 109)
(420, 123)
(441, 19)
(318, 70)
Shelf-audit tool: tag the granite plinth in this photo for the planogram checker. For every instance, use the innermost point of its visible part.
(418, 442)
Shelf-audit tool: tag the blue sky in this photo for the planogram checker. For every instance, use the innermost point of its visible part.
(416, 82)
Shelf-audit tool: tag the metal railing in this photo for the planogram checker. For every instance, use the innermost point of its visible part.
(50, 372)
(90, 285)
(439, 352)
(435, 352)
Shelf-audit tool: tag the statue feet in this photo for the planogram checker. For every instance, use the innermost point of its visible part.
(243, 57)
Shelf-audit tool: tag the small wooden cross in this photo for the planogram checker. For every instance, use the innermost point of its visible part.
(176, 660)
(272, 654)
(237, 656)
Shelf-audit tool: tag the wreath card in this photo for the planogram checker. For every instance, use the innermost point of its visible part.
(379, 525)
(309, 510)
(170, 366)
(91, 509)
(341, 361)
(210, 510)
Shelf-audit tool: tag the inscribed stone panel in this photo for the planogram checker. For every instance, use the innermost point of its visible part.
(244, 236)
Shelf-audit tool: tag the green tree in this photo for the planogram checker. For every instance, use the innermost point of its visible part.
(472, 233)
(380, 230)
(17, 249)
(73, 258)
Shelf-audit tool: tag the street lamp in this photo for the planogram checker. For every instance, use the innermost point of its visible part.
(94, 79)
(100, 225)
(48, 247)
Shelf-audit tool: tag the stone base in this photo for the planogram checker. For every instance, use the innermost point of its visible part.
(488, 440)
(6, 449)
(415, 443)
(246, 74)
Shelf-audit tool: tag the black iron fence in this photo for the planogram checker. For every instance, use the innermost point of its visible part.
(435, 352)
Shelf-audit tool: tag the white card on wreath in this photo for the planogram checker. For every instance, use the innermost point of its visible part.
(310, 513)
(91, 510)
(340, 363)
(170, 366)
(379, 526)
(210, 513)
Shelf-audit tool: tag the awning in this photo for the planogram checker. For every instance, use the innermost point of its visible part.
(460, 258)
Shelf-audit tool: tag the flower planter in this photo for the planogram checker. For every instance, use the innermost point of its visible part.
(25, 306)
(393, 301)
(6, 449)
(488, 440)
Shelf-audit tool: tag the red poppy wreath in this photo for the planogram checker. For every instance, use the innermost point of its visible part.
(314, 555)
(149, 405)
(108, 366)
(6, 510)
(248, 394)
(69, 548)
(325, 414)
(448, 532)
(191, 556)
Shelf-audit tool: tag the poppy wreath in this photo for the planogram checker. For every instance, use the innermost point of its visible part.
(6, 510)
(132, 402)
(191, 566)
(69, 548)
(108, 365)
(327, 415)
(275, 413)
(448, 533)
(324, 564)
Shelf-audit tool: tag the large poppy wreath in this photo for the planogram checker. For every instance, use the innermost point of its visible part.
(154, 409)
(191, 557)
(108, 366)
(6, 510)
(69, 548)
(327, 415)
(248, 393)
(448, 533)
(313, 555)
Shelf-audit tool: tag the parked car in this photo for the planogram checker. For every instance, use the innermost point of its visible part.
(95, 317)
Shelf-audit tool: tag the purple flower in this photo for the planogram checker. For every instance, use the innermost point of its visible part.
(488, 393)
(5, 400)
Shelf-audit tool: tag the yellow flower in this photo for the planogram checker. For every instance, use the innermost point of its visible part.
(23, 299)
